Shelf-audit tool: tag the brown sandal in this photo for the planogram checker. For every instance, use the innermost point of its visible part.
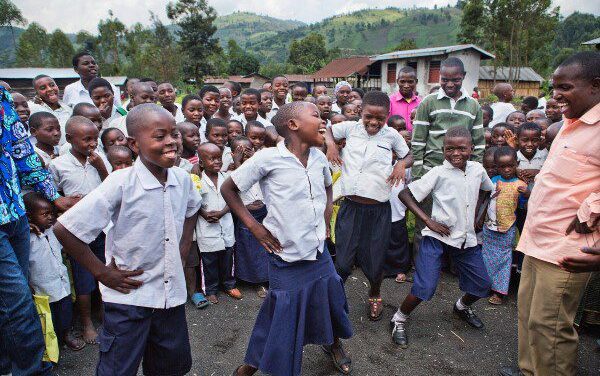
(375, 309)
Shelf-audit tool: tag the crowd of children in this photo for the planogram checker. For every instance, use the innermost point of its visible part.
(156, 237)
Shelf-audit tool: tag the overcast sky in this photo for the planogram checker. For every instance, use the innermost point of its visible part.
(72, 16)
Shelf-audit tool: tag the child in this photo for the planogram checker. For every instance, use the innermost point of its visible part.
(45, 128)
(529, 103)
(102, 96)
(502, 108)
(216, 133)
(338, 118)
(256, 133)
(145, 242)
(499, 231)
(48, 274)
(299, 92)
(119, 157)
(190, 139)
(489, 161)
(79, 172)
(487, 114)
(499, 135)
(515, 119)
(129, 91)
(250, 102)
(193, 112)
(544, 124)
(363, 223)
(279, 88)
(306, 302)
(358, 104)
(350, 111)
(112, 137)
(551, 133)
(324, 106)
(215, 227)
(266, 103)
(224, 111)
(86, 67)
(236, 106)
(397, 122)
(143, 92)
(553, 110)
(22, 108)
(166, 96)
(251, 259)
(450, 229)
(47, 99)
(356, 94)
(234, 129)
(182, 162)
(211, 99)
(319, 90)
(533, 115)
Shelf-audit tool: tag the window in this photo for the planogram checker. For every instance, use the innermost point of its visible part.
(391, 73)
(434, 72)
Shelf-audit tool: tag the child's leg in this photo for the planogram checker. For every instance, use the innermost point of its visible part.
(210, 270)
(347, 233)
(62, 319)
(398, 259)
(85, 284)
(192, 262)
(226, 269)
(374, 243)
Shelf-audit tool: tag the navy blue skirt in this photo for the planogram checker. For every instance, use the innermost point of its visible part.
(251, 259)
(306, 304)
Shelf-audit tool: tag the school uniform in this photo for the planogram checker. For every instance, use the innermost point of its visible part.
(119, 122)
(48, 276)
(215, 240)
(75, 93)
(398, 257)
(179, 114)
(455, 194)
(227, 159)
(362, 231)
(251, 259)
(242, 119)
(148, 218)
(335, 108)
(71, 177)
(202, 130)
(306, 302)
(501, 112)
(63, 114)
(186, 165)
(116, 113)
(46, 158)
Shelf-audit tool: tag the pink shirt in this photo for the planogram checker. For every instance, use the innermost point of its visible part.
(400, 106)
(568, 185)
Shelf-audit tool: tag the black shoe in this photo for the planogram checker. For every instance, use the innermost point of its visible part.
(510, 371)
(399, 334)
(469, 316)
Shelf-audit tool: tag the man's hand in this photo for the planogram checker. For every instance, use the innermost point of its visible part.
(118, 279)
(266, 239)
(63, 204)
(587, 261)
(579, 227)
(438, 227)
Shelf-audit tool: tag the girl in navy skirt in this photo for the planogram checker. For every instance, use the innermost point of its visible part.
(251, 260)
(306, 302)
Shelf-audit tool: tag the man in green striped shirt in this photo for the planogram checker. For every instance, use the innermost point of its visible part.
(438, 112)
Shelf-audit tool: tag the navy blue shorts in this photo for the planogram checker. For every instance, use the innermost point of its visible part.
(83, 280)
(472, 274)
(131, 333)
(62, 317)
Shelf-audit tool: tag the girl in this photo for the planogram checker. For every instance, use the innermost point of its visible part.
(224, 111)
(193, 112)
(500, 230)
(190, 139)
(216, 133)
(111, 137)
(211, 100)
(234, 129)
(256, 132)
(515, 119)
(499, 134)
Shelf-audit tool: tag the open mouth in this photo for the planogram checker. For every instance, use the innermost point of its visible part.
(322, 131)
(172, 154)
(563, 106)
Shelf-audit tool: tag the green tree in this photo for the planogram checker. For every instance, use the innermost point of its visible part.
(161, 58)
(31, 50)
(10, 16)
(87, 42)
(473, 17)
(195, 19)
(309, 54)
(60, 50)
(240, 62)
(405, 44)
(111, 33)
(136, 42)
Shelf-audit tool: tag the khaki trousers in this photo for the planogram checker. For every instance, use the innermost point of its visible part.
(548, 301)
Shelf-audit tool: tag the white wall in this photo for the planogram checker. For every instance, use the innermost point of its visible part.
(471, 59)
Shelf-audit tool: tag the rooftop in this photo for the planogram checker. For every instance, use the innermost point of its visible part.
(432, 51)
(31, 73)
(592, 42)
(526, 74)
(344, 67)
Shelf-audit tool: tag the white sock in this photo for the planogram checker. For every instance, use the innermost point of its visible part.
(399, 316)
(460, 305)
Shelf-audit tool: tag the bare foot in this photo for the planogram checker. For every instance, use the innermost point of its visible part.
(245, 370)
(90, 335)
(73, 342)
(340, 359)
(401, 278)
(213, 299)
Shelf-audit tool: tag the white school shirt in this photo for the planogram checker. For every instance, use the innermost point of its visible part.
(294, 195)
(501, 111)
(535, 163)
(48, 274)
(186, 165)
(46, 158)
(63, 113)
(202, 130)
(251, 195)
(368, 159)
(214, 237)
(179, 114)
(455, 193)
(114, 115)
(76, 93)
(119, 123)
(335, 108)
(398, 208)
(227, 158)
(147, 227)
(71, 177)
(242, 119)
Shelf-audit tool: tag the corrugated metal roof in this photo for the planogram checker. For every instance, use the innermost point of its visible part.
(30, 73)
(299, 77)
(593, 41)
(344, 67)
(432, 51)
(526, 74)
(116, 80)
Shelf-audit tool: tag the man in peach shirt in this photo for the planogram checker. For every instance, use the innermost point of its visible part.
(562, 226)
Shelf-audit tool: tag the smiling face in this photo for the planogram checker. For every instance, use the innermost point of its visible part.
(343, 95)
(211, 102)
(114, 137)
(280, 88)
(83, 139)
(249, 104)
(498, 138)
(190, 138)
(142, 93)
(324, 106)
(225, 99)
(574, 94)
(457, 151)
(87, 68)
(193, 111)
(373, 118)
(553, 110)
(48, 132)
(529, 142)
(256, 135)
(155, 142)
(47, 90)
(21, 107)
(234, 129)
(309, 126)
(266, 101)
(299, 93)
(515, 119)
(451, 80)
(320, 90)
(506, 166)
(166, 94)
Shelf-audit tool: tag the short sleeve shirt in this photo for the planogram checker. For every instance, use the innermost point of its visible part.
(213, 237)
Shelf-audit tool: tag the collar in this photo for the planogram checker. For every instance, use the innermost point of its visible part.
(449, 166)
(286, 153)
(442, 94)
(210, 183)
(592, 116)
(149, 181)
(399, 98)
(79, 86)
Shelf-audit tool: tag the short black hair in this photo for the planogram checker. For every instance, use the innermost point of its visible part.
(300, 84)
(286, 113)
(137, 117)
(490, 151)
(263, 91)
(208, 89)
(236, 86)
(408, 70)
(589, 61)
(531, 102)
(503, 151)
(105, 133)
(32, 200)
(487, 108)
(254, 92)
(361, 92)
(377, 98)
(39, 76)
(278, 76)
(514, 112)
(394, 118)
(78, 121)
(235, 121)
(36, 119)
(504, 125)
(254, 124)
(453, 62)
(118, 149)
(190, 97)
(79, 55)
(214, 123)
(147, 79)
(458, 131)
(79, 108)
(99, 82)
(237, 140)
(529, 126)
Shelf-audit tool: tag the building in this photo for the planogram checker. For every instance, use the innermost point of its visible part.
(20, 79)
(426, 61)
(594, 42)
(525, 81)
(359, 71)
(253, 80)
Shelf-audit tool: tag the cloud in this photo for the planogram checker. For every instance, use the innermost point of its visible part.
(72, 16)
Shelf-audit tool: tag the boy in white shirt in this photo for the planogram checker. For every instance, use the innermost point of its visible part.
(363, 226)
(250, 101)
(47, 273)
(46, 92)
(215, 228)
(306, 302)
(44, 127)
(167, 95)
(142, 92)
(503, 107)
(456, 188)
(153, 208)
(87, 69)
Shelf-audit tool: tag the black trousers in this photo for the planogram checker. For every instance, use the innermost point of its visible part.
(398, 258)
(217, 268)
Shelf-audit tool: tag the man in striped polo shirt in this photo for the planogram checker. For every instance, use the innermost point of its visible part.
(438, 112)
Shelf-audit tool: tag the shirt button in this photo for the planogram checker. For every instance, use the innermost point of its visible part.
(166, 281)
(167, 239)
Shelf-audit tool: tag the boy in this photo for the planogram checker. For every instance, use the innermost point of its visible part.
(503, 107)
(250, 100)
(225, 99)
(533, 115)
(79, 172)
(319, 90)
(299, 92)
(90, 112)
(190, 138)
(553, 110)
(85, 66)
(350, 111)
(211, 98)
(324, 106)
(166, 95)
(406, 99)
(266, 103)
(450, 229)
(119, 157)
(215, 228)
(145, 317)
(102, 95)
(364, 220)
(22, 108)
(290, 170)
(45, 128)
(279, 87)
(46, 92)
(128, 90)
(529, 103)
(142, 92)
